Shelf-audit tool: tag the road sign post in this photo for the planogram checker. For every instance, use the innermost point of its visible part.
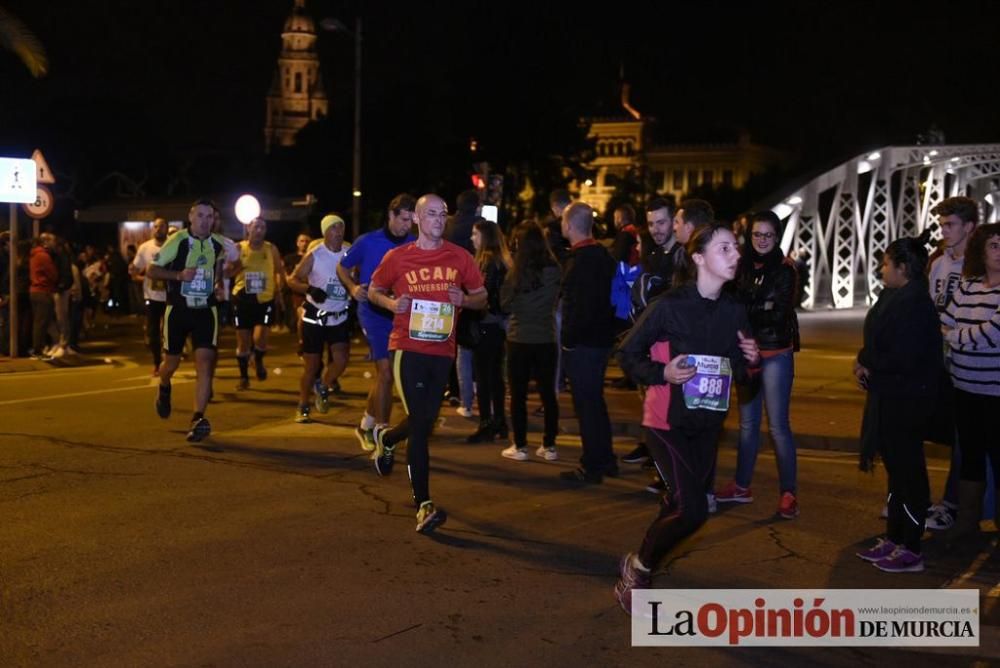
(18, 185)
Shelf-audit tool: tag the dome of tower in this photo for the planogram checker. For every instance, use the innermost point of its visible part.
(299, 21)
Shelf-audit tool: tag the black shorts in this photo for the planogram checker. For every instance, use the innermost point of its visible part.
(248, 314)
(315, 338)
(201, 324)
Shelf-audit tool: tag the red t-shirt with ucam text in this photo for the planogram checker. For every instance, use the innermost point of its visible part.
(425, 275)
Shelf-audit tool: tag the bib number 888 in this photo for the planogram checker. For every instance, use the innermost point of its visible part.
(710, 386)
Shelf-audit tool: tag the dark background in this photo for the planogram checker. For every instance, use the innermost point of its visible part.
(158, 97)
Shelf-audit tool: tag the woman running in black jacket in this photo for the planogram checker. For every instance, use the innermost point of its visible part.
(688, 347)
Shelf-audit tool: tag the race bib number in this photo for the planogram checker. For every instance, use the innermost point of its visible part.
(255, 282)
(199, 289)
(336, 290)
(431, 321)
(709, 388)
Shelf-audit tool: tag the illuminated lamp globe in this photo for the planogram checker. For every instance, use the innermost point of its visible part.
(247, 208)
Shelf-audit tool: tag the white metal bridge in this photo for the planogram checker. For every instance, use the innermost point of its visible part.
(844, 217)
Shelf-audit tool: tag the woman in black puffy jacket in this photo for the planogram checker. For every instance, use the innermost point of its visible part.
(766, 285)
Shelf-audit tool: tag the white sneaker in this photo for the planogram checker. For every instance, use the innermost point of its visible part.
(940, 518)
(514, 452)
(57, 352)
(713, 505)
(548, 454)
(464, 412)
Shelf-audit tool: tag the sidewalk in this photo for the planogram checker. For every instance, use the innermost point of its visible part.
(105, 338)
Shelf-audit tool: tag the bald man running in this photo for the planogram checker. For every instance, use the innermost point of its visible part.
(424, 284)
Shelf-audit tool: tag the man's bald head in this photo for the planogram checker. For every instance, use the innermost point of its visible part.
(430, 199)
(430, 215)
(578, 221)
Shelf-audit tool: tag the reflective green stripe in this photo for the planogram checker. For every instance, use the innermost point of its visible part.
(215, 326)
(166, 326)
(397, 360)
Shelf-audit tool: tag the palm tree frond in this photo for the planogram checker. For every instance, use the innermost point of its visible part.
(15, 36)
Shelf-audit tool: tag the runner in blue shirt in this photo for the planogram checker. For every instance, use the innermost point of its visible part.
(355, 271)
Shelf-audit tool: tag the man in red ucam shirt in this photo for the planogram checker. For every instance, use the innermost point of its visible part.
(425, 284)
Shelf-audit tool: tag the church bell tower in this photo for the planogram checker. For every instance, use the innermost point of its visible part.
(296, 96)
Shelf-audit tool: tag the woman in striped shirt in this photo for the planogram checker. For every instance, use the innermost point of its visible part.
(971, 325)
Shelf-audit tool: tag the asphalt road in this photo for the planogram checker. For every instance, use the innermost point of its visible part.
(274, 543)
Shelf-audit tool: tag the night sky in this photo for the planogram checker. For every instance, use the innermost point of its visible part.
(154, 88)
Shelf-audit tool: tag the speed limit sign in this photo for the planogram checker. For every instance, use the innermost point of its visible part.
(42, 206)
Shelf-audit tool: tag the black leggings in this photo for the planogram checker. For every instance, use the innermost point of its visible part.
(488, 358)
(685, 461)
(154, 329)
(900, 436)
(975, 417)
(420, 381)
(524, 361)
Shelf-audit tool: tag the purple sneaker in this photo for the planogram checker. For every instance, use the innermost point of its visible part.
(901, 561)
(631, 578)
(883, 549)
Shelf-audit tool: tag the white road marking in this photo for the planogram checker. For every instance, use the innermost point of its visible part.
(69, 395)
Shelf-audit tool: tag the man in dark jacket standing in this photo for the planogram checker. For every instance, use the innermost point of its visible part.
(459, 227)
(586, 338)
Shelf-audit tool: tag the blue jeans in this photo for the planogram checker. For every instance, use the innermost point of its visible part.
(466, 376)
(774, 389)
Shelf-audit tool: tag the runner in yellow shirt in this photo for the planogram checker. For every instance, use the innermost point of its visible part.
(258, 278)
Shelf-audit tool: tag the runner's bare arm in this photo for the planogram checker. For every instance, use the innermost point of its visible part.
(359, 291)
(380, 297)
(298, 281)
(159, 273)
(475, 300)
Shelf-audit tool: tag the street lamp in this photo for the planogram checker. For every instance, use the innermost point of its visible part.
(247, 208)
(331, 24)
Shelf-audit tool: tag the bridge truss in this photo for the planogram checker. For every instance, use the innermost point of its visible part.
(846, 216)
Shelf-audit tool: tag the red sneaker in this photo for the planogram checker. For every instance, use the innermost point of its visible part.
(788, 507)
(733, 493)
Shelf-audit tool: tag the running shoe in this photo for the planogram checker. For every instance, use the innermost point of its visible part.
(733, 493)
(243, 384)
(163, 401)
(630, 577)
(200, 429)
(322, 400)
(638, 456)
(656, 486)
(302, 415)
(365, 438)
(464, 412)
(383, 456)
(430, 518)
(713, 504)
(883, 548)
(901, 561)
(548, 454)
(515, 453)
(788, 507)
(941, 517)
(581, 476)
